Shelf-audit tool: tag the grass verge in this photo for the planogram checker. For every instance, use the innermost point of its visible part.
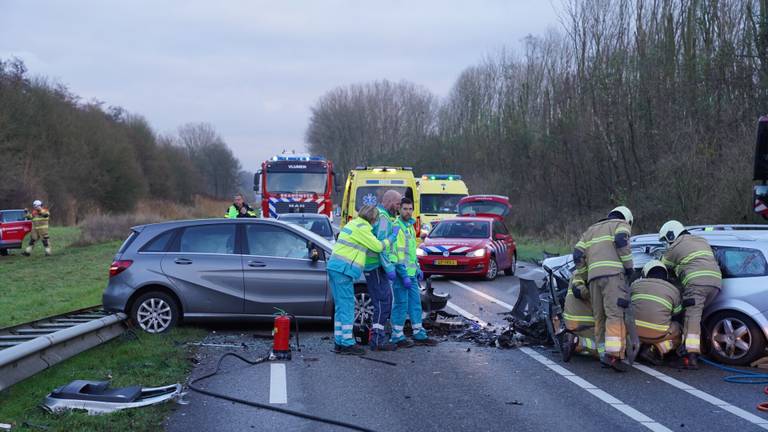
(72, 278)
(531, 249)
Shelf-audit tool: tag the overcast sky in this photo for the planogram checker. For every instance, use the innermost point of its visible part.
(250, 68)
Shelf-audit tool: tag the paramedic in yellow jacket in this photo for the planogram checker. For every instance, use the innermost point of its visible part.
(39, 217)
(603, 259)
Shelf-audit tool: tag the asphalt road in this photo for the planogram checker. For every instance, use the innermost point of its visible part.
(461, 386)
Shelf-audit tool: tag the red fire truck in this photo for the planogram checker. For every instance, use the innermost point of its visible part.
(295, 183)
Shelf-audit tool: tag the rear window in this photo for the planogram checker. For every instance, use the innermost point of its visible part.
(741, 262)
(131, 237)
(159, 243)
(213, 239)
(12, 216)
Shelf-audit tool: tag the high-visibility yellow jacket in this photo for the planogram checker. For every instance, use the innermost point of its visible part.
(654, 301)
(382, 229)
(692, 260)
(603, 250)
(233, 212)
(39, 218)
(355, 241)
(407, 263)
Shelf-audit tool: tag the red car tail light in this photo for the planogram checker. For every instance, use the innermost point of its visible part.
(118, 267)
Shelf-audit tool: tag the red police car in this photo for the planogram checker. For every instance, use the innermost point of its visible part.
(475, 243)
(13, 228)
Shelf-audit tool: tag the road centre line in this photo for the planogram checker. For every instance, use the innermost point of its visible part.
(595, 391)
(278, 390)
(706, 397)
(756, 420)
(482, 294)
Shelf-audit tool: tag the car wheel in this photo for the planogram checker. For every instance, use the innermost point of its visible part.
(734, 338)
(155, 312)
(3, 252)
(493, 269)
(363, 305)
(511, 270)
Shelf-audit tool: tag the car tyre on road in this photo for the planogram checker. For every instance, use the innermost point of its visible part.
(363, 305)
(734, 338)
(511, 270)
(155, 312)
(493, 269)
(3, 252)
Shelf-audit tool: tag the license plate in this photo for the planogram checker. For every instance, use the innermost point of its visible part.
(446, 262)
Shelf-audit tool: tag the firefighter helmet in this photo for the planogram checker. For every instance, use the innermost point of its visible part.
(37, 203)
(670, 231)
(653, 264)
(625, 213)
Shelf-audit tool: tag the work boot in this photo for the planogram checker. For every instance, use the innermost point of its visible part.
(614, 363)
(648, 355)
(348, 350)
(425, 342)
(404, 343)
(568, 346)
(27, 252)
(384, 347)
(47, 251)
(689, 361)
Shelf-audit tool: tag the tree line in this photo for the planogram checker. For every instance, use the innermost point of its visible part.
(81, 157)
(651, 104)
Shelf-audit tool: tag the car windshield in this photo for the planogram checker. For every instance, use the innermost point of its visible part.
(319, 226)
(371, 195)
(440, 203)
(461, 229)
(296, 182)
(12, 216)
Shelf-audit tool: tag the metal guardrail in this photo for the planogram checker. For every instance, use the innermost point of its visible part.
(29, 348)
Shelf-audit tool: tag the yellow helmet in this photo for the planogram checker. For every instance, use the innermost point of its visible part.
(670, 231)
(625, 213)
(652, 264)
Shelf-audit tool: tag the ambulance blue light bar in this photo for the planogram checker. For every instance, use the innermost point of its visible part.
(441, 177)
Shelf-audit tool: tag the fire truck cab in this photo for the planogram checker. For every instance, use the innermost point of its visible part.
(295, 183)
(367, 185)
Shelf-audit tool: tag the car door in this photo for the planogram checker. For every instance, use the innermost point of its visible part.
(502, 243)
(280, 274)
(13, 226)
(203, 265)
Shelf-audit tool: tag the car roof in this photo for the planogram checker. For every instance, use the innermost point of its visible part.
(715, 237)
(10, 210)
(302, 216)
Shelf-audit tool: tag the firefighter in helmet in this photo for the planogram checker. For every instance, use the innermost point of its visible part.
(39, 217)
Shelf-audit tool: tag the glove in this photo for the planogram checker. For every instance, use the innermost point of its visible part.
(576, 292)
(628, 272)
(391, 275)
(407, 283)
(419, 275)
(396, 230)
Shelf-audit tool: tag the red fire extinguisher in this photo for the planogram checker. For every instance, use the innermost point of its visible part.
(281, 333)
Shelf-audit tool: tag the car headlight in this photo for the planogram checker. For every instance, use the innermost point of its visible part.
(420, 252)
(477, 253)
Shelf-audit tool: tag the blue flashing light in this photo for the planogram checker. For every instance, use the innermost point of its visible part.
(441, 177)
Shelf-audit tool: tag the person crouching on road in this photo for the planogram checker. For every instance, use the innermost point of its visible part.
(603, 257)
(579, 321)
(655, 301)
(380, 270)
(345, 266)
(240, 209)
(39, 217)
(697, 270)
(406, 292)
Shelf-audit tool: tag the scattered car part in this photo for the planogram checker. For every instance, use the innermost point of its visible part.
(96, 397)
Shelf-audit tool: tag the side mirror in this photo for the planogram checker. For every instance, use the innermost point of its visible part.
(499, 236)
(760, 200)
(336, 185)
(314, 254)
(257, 181)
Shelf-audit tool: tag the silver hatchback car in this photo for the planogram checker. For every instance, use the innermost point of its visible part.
(219, 268)
(736, 323)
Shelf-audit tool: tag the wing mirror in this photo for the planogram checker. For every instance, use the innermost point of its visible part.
(314, 254)
(499, 237)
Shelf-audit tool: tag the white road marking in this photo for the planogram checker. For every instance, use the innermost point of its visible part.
(278, 390)
(466, 314)
(482, 294)
(693, 391)
(625, 409)
(595, 391)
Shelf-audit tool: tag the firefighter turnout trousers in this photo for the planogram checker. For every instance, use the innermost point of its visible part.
(610, 331)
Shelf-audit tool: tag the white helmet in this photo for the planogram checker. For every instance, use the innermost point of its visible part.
(670, 231)
(37, 203)
(652, 264)
(624, 212)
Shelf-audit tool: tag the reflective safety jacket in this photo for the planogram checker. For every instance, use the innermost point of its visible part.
(355, 241)
(603, 250)
(407, 263)
(233, 212)
(654, 302)
(39, 218)
(382, 229)
(692, 260)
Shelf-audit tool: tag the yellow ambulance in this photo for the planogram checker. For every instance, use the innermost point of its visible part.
(439, 196)
(367, 185)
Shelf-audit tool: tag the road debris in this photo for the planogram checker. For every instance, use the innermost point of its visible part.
(96, 397)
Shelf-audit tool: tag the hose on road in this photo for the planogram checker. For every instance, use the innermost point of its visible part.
(743, 377)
